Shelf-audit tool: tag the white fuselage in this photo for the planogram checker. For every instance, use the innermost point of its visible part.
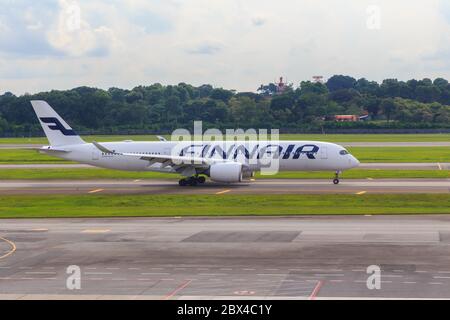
(291, 155)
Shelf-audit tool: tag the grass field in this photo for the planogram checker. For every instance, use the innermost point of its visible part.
(321, 137)
(85, 174)
(364, 154)
(53, 206)
(26, 156)
(401, 154)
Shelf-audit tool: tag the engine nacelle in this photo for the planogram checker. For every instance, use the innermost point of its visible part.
(226, 172)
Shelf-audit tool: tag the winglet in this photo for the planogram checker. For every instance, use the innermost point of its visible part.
(161, 138)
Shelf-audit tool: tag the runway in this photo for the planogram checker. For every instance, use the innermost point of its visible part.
(260, 186)
(371, 166)
(215, 258)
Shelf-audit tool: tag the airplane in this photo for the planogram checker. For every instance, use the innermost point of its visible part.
(221, 161)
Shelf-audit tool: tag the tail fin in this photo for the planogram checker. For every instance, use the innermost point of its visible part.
(58, 132)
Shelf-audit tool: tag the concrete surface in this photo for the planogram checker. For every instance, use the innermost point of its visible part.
(201, 258)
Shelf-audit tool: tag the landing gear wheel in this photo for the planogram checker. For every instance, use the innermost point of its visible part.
(182, 182)
(193, 182)
(201, 180)
(336, 177)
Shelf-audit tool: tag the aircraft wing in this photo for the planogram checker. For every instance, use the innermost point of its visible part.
(176, 162)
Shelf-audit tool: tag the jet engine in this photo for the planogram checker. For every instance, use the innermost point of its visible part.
(226, 172)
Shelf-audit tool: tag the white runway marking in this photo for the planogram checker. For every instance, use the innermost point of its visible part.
(96, 231)
(96, 191)
(154, 273)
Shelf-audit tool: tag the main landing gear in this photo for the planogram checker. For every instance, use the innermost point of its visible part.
(336, 177)
(192, 181)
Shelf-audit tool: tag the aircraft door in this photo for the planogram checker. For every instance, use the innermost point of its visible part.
(323, 152)
(95, 154)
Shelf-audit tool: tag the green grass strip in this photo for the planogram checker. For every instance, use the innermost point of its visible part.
(27, 156)
(401, 154)
(321, 137)
(52, 206)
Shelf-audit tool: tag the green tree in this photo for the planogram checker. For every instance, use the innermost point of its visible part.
(388, 106)
(221, 94)
(244, 111)
(339, 82)
(311, 87)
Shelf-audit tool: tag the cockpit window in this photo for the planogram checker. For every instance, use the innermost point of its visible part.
(343, 152)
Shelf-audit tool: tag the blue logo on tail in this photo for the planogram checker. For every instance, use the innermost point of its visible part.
(55, 124)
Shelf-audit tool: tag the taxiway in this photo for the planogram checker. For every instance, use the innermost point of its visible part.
(215, 258)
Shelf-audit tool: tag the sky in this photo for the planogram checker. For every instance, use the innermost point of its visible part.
(235, 44)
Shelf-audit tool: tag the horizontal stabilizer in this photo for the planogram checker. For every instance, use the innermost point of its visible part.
(51, 149)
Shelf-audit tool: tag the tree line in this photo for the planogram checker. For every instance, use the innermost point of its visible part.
(308, 107)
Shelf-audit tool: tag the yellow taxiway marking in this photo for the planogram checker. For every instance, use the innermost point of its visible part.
(96, 231)
(361, 192)
(137, 180)
(10, 252)
(222, 192)
(39, 229)
(439, 165)
(369, 178)
(252, 179)
(96, 190)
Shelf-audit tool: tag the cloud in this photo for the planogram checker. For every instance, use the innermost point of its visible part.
(151, 23)
(231, 43)
(259, 21)
(444, 9)
(75, 36)
(21, 27)
(205, 48)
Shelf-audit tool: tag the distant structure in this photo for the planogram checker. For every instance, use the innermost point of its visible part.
(346, 118)
(281, 86)
(317, 79)
(274, 88)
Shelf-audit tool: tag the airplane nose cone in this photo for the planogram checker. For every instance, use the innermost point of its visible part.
(354, 162)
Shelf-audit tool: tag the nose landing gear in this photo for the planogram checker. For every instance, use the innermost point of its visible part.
(336, 177)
